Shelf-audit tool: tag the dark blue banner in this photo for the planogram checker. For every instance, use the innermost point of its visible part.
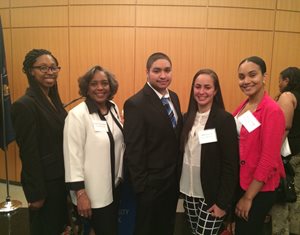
(126, 210)
(7, 134)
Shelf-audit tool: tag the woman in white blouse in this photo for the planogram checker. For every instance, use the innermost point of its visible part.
(93, 151)
(210, 165)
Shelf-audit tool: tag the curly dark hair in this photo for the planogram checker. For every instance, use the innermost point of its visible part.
(84, 81)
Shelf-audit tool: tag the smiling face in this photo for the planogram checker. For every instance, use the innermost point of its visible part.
(204, 92)
(47, 79)
(160, 75)
(99, 89)
(251, 79)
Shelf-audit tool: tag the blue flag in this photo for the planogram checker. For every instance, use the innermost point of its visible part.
(7, 134)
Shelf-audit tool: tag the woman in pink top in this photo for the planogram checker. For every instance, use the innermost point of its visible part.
(261, 127)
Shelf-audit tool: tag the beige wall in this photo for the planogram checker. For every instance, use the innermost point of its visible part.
(121, 34)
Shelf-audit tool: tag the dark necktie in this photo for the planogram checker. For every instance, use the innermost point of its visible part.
(170, 112)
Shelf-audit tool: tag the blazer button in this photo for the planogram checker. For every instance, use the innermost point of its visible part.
(242, 162)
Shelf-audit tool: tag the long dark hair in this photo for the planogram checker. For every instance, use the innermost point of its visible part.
(193, 106)
(293, 74)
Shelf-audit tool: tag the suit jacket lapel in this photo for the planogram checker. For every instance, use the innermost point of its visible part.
(175, 104)
(210, 121)
(156, 102)
(51, 112)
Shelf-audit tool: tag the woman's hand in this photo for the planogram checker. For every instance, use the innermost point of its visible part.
(243, 207)
(36, 205)
(83, 204)
(216, 211)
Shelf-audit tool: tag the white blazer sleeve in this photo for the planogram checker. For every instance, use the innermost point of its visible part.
(74, 144)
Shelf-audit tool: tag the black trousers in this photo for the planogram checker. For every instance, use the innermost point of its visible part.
(52, 218)
(261, 205)
(104, 220)
(156, 211)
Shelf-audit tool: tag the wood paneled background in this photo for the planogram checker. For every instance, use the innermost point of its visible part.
(120, 35)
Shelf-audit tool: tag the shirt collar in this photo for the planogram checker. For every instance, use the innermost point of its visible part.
(167, 95)
(92, 106)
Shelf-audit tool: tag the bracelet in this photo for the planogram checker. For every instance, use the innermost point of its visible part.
(80, 194)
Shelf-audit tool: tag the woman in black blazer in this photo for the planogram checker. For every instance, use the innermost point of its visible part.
(210, 165)
(38, 118)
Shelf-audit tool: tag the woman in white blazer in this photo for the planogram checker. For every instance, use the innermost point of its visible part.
(93, 151)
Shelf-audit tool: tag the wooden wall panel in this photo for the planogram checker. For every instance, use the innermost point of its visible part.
(18, 162)
(288, 21)
(231, 18)
(95, 2)
(112, 48)
(102, 15)
(52, 39)
(225, 50)
(13, 170)
(286, 53)
(4, 4)
(265, 4)
(4, 13)
(121, 34)
(171, 16)
(291, 5)
(34, 3)
(174, 2)
(39, 17)
(186, 60)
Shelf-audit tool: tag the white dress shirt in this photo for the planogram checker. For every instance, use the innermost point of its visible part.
(190, 182)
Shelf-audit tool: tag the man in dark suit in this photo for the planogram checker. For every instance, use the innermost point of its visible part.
(151, 131)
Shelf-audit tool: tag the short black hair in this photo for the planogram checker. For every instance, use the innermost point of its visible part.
(156, 56)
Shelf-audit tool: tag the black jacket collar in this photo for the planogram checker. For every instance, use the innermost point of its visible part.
(92, 106)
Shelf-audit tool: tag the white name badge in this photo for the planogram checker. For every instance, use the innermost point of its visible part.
(249, 121)
(207, 136)
(100, 126)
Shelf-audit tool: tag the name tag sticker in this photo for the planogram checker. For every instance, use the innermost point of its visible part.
(207, 136)
(100, 126)
(249, 121)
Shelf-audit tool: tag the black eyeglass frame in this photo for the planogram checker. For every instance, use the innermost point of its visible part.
(45, 69)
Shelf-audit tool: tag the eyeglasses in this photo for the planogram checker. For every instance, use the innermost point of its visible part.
(45, 69)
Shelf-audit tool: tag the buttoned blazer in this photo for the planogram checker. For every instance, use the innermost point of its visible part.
(219, 160)
(39, 134)
(152, 144)
(260, 157)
